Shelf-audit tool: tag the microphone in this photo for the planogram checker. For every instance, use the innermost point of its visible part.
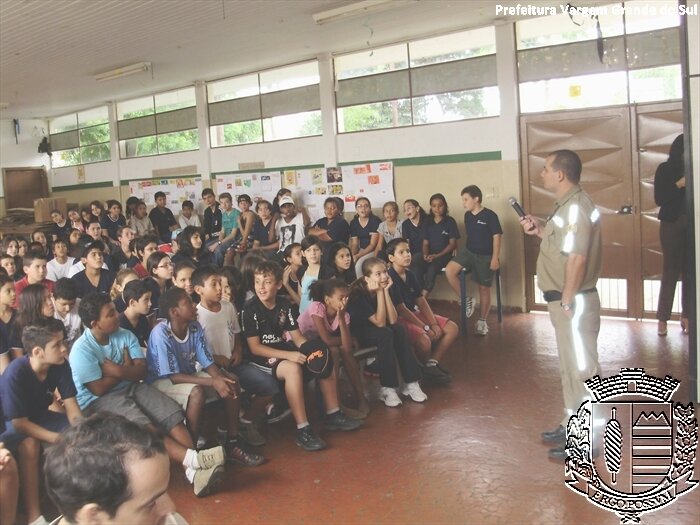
(519, 210)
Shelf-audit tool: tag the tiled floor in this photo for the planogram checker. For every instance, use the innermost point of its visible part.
(470, 455)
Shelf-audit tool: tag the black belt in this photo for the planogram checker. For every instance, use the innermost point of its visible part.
(555, 295)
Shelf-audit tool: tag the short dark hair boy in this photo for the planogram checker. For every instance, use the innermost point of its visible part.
(137, 297)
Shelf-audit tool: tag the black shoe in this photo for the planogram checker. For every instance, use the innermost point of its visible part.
(339, 421)
(558, 435)
(434, 375)
(309, 441)
(236, 452)
(276, 413)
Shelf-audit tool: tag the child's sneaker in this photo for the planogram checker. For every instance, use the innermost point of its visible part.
(250, 434)
(211, 457)
(414, 391)
(206, 479)
(481, 327)
(237, 454)
(276, 413)
(309, 441)
(339, 421)
(468, 306)
(372, 368)
(389, 397)
(435, 375)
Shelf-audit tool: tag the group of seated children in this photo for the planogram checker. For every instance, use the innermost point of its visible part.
(154, 327)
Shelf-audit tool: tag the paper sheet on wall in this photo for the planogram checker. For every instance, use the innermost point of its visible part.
(309, 189)
(260, 186)
(374, 181)
(176, 191)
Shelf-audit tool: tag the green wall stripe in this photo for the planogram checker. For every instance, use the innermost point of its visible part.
(266, 170)
(435, 159)
(126, 182)
(87, 186)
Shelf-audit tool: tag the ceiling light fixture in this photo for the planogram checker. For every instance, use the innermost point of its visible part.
(123, 71)
(357, 9)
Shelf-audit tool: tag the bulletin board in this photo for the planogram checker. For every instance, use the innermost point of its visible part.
(176, 190)
(260, 186)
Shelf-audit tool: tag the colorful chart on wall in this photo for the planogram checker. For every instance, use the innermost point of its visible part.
(177, 190)
(260, 186)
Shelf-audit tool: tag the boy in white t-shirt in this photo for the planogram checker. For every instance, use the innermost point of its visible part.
(66, 302)
(58, 267)
(219, 319)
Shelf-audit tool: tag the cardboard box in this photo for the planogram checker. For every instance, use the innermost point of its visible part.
(43, 208)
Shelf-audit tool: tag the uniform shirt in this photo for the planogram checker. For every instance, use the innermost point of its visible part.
(6, 333)
(56, 270)
(361, 306)
(364, 233)
(61, 232)
(669, 197)
(405, 292)
(85, 286)
(261, 232)
(111, 225)
(574, 227)
(212, 221)
(141, 227)
(480, 230)
(162, 221)
(23, 394)
(318, 309)
(87, 356)
(220, 328)
(72, 324)
(383, 230)
(290, 232)
(439, 234)
(142, 330)
(168, 355)
(338, 229)
(414, 235)
(229, 220)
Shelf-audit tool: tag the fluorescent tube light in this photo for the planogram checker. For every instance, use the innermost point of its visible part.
(123, 71)
(357, 9)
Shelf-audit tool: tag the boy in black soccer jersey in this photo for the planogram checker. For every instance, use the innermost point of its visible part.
(265, 319)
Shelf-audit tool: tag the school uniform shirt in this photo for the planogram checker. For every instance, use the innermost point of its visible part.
(261, 232)
(162, 221)
(184, 222)
(112, 225)
(120, 259)
(439, 234)
(6, 333)
(220, 328)
(142, 330)
(212, 221)
(141, 227)
(361, 306)
(168, 355)
(338, 229)
(72, 324)
(203, 259)
(56, 270)
(404, 292)
(229, 220)
(364, 233)
(290, 232)
(414, 235)
(318, 309)
(480, 230)
(23, 394)
(87, 356)
(383, 230)
(61, 232)
(78, 267)
(84, 285)
(267, 324)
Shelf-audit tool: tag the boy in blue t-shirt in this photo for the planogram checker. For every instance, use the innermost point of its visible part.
(229, 228)
(175, 347)
(479, 256)
(108, 367)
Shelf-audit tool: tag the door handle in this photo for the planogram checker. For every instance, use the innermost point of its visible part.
(626, 209)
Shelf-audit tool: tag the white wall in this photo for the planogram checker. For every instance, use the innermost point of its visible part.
(24, 154)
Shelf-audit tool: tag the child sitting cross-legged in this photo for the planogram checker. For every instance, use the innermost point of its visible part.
(176, 344)
(222, 331)
(266, 318)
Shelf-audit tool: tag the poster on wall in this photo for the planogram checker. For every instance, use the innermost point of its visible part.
(260, 186)
(373, 180)
(309, 189)
(177, 190)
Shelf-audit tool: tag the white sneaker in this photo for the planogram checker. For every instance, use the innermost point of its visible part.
(389, 396)
(414, 391)
(468, 306)
(481, 327)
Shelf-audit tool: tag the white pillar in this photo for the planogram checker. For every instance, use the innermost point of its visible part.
(329, 152)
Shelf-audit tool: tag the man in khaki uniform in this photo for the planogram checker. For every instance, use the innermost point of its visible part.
(568, 268)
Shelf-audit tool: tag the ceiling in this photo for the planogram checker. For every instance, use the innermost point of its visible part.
(51, 50)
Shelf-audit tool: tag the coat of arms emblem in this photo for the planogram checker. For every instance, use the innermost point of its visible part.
(631, 450)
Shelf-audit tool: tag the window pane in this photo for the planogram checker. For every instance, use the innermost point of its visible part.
(64, 123)
(289, 77)
(139, 147)
(380, 115)
(371, 61)
(181, 98)
(559, 29)
(135, 108)
(459, 105)
(67, 157)
(292, 126)
(575, 92)
(238, 133)
(230, 88)
(644, 15)
(178, 141)
(657, 83)
(455, 46)
(96, 153)
(93, 117)
(94, 135)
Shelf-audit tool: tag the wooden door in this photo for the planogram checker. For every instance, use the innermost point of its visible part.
(23, 185)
